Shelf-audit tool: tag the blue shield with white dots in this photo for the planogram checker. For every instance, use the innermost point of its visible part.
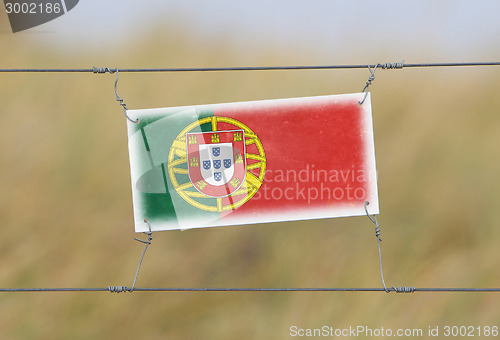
(218, 176)
(216, 151)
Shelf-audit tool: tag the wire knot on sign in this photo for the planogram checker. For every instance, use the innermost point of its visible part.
(148, 233)
(385, 66)
(374, 220)
(368, 82)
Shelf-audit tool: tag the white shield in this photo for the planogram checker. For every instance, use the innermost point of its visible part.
(217, 163)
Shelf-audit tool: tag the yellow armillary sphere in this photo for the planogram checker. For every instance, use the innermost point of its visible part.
(243, 191)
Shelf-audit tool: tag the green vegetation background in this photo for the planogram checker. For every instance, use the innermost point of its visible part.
(66, 209)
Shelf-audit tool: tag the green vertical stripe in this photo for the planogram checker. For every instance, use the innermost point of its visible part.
(146, 145)
(145, 140)
(158, 200)
(164, 176)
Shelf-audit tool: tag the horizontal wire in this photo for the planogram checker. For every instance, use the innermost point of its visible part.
(248, 68)
(125, 289)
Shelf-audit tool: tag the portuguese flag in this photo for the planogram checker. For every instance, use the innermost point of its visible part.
(252, 162)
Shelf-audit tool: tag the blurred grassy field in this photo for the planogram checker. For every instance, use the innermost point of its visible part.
(66, 209)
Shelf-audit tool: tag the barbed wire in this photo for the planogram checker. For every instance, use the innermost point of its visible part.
(397, 65)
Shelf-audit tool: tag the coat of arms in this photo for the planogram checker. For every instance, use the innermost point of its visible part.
(216, 161)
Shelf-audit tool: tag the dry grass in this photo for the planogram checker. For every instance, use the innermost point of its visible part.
(66, 214)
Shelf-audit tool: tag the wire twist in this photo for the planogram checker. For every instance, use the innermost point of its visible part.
(379, 239)
(385, 66)
(122, 289)
(118, 289)
(102, 70)
(147, 243)
(404, 289)
(392, 66)
(120, 100)
(374, 220)
(368, 83)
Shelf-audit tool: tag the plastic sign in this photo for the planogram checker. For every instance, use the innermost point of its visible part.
(252, 162)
